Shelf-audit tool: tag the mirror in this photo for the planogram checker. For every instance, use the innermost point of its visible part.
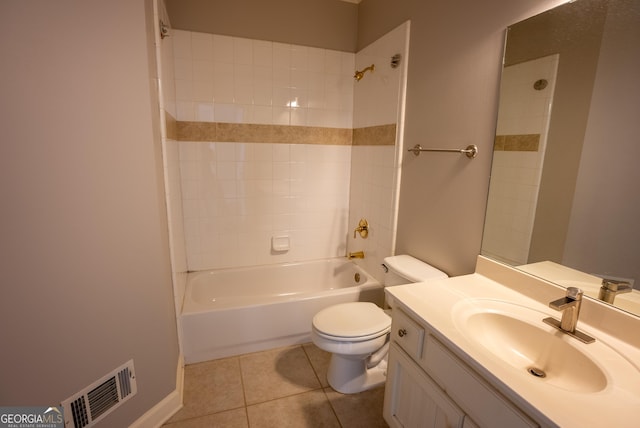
(564, 197)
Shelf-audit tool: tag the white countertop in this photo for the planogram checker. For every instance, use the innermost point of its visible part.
(436, 303)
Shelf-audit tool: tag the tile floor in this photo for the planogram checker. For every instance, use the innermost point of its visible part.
(284, 387)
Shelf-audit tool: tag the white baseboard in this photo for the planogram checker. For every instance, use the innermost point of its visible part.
(166, 408)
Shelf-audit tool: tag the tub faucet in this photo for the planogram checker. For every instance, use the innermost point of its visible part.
(570, 308)
(356, 255)
(611, 288)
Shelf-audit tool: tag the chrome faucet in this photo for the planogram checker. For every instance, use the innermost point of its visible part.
(569, 305)
(611, 288)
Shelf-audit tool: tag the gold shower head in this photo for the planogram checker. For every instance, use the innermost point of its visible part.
(360, 74)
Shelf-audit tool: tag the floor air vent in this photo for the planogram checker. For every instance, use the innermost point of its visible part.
(100, 398)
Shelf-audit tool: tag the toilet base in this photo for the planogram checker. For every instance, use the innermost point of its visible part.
(349, 375)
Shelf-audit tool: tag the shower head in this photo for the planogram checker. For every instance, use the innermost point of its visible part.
(360, 74)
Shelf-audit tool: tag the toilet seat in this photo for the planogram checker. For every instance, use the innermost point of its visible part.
(352, 322)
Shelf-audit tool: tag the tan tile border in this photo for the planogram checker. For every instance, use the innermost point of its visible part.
(196, 131)
(281, 134)
(517, 143)
(382, 135)
(171, 125)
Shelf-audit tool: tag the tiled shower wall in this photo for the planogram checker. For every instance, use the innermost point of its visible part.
(237, 196)
(237, 80)
(523, 122)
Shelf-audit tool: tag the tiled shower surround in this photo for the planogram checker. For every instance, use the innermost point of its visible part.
(237, 196)
(267, 148)
(237, 80)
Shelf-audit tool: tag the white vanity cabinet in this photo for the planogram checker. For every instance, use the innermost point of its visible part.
(428, 386)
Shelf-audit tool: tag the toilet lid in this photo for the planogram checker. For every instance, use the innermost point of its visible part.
(352, 320)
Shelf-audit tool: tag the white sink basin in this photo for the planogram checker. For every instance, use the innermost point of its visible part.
(517, 336)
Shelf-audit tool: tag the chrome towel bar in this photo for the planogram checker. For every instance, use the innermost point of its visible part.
(471, 150)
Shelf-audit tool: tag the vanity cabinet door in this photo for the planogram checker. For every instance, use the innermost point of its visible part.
(413, 400)
(469, 391)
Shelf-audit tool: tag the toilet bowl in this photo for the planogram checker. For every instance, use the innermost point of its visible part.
(357, 333)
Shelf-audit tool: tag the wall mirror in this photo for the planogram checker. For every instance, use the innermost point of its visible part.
(564, 196)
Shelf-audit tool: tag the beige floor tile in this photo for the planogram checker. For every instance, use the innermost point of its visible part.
(230, 419)
(276, 373)
(319, 361)
(310, 409)
(211, 387)
(359, 410)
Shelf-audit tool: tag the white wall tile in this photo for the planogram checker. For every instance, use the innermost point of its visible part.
(223, 49)
(237, 195)
(262, 53)
(181, 44)
(249, 72)
(203, 111)
(250, 187)
(242, 51)
(262, 115)
(202, 46)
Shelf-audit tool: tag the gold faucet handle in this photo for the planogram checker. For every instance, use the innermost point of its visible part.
(363, 229)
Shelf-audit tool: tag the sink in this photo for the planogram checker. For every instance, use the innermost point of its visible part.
(516, 335)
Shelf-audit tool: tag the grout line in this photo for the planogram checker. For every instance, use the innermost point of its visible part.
(335, 413)
(179, 421)
(324, 390)
(244, 393)
(312, 368)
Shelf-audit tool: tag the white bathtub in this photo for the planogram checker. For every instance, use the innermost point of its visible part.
(234, 311)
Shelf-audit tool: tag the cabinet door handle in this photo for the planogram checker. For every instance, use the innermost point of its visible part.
(402, 332)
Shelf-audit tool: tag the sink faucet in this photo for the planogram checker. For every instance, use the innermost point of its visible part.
(356, 255)
(611, 288)
(569, 305)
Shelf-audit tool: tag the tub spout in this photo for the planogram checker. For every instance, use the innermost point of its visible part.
(356, 255)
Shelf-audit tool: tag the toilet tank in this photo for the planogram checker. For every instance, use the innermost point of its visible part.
(405, 269)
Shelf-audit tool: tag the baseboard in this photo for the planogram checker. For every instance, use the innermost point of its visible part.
(166, 408)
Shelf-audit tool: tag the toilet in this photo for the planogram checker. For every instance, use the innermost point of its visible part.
(357, 333)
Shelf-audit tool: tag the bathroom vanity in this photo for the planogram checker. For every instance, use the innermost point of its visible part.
(473, 351)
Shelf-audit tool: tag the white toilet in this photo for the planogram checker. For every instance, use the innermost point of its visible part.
(357, 333)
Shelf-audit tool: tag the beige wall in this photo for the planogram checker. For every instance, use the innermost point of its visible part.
(329, 24)
(86, 277)
(452, 94)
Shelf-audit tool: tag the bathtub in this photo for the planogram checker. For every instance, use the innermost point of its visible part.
(229, 312)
